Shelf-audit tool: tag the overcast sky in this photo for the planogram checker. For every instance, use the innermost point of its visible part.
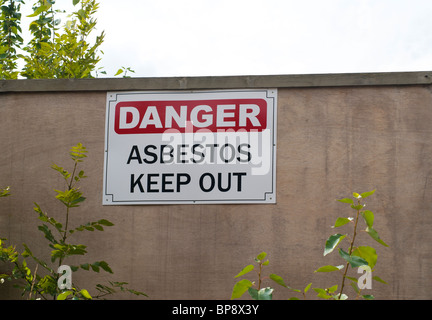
(257, 37)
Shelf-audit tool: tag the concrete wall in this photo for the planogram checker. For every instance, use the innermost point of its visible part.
(336, 134)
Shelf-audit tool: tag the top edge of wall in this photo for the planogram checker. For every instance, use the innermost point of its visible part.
(218, 82)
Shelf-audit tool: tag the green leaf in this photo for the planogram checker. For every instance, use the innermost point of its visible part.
(329, 268)
(372, 232)
(95, 267)
(262, 294)
(261, 256)
(64, 250)
(240, 287)
(63, 172)
(368, 217)
(48, 234)
(307, 288)
(245, 270)
(346, 200)
(90, 226)
(82, 13)
(85, 294)
(367, 253)
(332, 242)
(119, 71)
(45, 46)
(85, 266)
(355, 286)
(357, 207)
(368, 297)
(253, 293)
(74, 202)
(75, 2)
(376, 278)
(105, 222)
(4, 192)
(105, 266)
(322, 293)
(64, 295)
(341, 221)
(70, 198)
(333, 288)
(78, 152)
(278, 280)
(367, 194)
(354, 261)
(39, 10)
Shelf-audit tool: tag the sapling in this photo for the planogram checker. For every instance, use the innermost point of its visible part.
(58, 234)
(255, 290)
(362, 257)
(356, 256)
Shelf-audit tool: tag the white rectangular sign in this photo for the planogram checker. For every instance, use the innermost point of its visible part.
(190, 147)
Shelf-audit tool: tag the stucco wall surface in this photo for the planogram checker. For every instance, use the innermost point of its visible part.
(332, 140)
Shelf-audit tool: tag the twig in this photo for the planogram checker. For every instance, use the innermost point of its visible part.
(33, 282)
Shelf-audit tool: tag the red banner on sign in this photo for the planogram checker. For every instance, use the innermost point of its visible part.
(141, 117)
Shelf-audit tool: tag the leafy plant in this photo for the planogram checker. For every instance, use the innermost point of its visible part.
(4, 192)
(51, 54)
(364, 257)
(53, 51)
(255, 290)
(123, 71)
(58, 235)
(354, 256)
(10, 37)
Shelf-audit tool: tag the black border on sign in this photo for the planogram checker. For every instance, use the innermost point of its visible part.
(112, 97)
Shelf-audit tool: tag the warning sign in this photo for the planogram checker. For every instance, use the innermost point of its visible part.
(190, 147)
